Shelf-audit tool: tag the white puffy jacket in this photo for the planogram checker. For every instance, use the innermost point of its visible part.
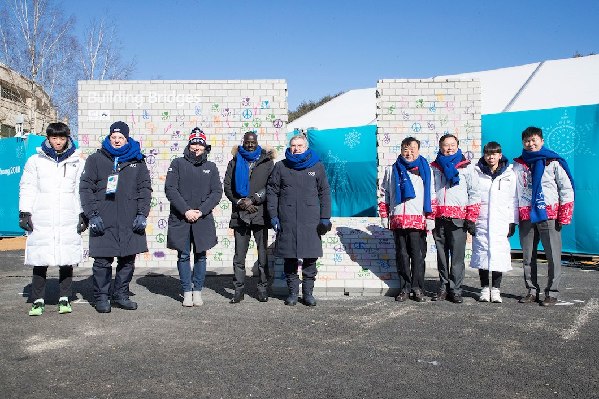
(498, 208)
(50, 192)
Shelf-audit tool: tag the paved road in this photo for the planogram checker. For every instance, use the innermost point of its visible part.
(348, 347)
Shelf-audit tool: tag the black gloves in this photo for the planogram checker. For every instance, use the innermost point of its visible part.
(558, 226)
(82, 224)
(139, 224)
(470, 227)
(512, 229)
(25, 221)
(323, 227)
(96, 226)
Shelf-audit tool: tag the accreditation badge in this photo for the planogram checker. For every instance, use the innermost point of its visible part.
(112, 183)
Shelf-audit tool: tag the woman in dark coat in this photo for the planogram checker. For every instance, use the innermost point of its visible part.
(115, 191)
(299, 204)
(193, 189)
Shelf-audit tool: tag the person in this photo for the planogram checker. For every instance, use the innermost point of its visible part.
(406, 207)
(50, 213)
(245, 186)
(298, 200)
(115, 194)
(193, 189)
(496, 221)
(545, 190)
(458, 199)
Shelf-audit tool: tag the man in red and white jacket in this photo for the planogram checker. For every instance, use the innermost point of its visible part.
(407, 206)
(458, 206)
(545, 190)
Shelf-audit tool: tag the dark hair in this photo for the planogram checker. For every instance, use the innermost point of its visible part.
(58, 129)
(531, 131)
(250, 132)
(445, 136)
(410, 140)
(492, 147)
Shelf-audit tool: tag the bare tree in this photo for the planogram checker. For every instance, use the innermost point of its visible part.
(36, 41)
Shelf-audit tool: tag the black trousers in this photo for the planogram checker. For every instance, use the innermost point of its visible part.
(450, 240)
(243, 235)
(495, 278)
(102, 277)
(309, 272)
(410, 251)
(38, 281)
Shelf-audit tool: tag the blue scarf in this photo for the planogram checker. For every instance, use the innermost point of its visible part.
(242, 169)
(448, 163)
(128, 152)
(404, 189)
(536, 162)
(484, 167)
(301, 161)
(49, 151)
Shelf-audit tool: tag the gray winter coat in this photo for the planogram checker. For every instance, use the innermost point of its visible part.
(118, 210)
(299, 198)
(192, 184)
(259, 174)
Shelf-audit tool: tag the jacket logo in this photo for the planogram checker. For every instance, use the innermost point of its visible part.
(206, 170)
(311, 173)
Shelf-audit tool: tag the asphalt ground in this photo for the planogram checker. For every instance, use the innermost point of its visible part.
(346, 347)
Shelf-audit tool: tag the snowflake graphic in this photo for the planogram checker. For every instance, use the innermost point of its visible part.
(565, 137)
(352, 139)
(336, 172)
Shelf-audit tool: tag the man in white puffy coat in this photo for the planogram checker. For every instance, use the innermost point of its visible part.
(496, 221)
(407, 206)
(50, 212)
(545, 192)
(458, 205)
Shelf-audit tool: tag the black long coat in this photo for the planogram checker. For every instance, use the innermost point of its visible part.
(299, 198)
(259, 174)
(192, 185)
(118, 210)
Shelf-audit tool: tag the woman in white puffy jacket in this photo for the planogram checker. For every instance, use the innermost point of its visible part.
(50, 211)
(496, 221)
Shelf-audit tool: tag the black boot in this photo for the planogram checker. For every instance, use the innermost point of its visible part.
(293, 286)
(307, 289)
(239, 296)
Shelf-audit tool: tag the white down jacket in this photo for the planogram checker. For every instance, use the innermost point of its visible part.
(499, 208)
(50, 192)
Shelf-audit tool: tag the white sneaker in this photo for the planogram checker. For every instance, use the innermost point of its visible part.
(197, 298)
(187, 299)
(485, 295)
(496, 295)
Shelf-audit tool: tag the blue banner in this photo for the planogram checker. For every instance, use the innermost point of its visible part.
(350, 160)
(572, 132)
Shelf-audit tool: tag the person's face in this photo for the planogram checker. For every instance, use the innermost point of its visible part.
(58, 143)
(117, 140)
(197, 149)
(298, 146)
(533, 143)
(410, 152)
(449, 146)
(493, 159)
(250, 142)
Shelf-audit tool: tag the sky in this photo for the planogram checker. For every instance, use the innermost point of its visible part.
(323, 47)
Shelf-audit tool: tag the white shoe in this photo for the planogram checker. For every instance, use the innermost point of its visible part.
(187, 299)
(496, 295)
(485, 295)
(197, 298)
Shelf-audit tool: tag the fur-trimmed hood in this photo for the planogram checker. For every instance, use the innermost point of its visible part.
(271, 152)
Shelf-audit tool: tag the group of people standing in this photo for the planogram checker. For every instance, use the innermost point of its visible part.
(61, 196)
(453, 197)
(110, 193)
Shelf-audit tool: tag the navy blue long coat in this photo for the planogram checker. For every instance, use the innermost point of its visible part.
(192, 185)
(299, 198)
(118, 210)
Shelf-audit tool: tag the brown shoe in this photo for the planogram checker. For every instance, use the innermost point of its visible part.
(529, 298)
(402, 297)
(456, 298)
(549, 301)
(440, 295)
(419, 296)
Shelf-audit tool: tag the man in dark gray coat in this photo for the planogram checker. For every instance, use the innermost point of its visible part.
(115, 191)
(245, 186)
(299, 204)
(193, 189)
